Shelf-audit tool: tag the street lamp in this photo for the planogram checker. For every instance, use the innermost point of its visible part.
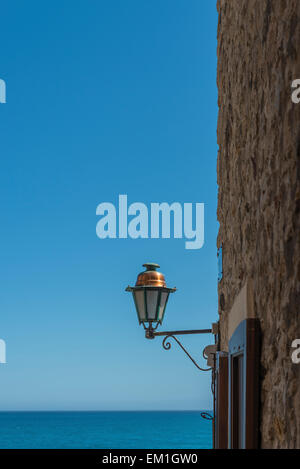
(150, 295)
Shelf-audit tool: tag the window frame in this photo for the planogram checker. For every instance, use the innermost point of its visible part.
(221, 401)
(244, 346)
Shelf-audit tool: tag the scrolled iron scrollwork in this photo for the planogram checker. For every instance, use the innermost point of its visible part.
(167, 345)
(206, 416)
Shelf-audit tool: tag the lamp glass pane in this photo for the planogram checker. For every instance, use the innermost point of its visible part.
(152, 297)
(162, 306)
(140, 304)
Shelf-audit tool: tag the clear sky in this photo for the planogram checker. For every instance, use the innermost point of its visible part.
(104, 98)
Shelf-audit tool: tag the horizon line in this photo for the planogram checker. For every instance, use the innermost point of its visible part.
(120, 410)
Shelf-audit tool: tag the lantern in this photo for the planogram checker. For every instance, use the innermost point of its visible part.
(150, 295)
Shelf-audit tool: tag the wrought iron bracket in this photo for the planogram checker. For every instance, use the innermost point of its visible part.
(167, 345)
(151, 334)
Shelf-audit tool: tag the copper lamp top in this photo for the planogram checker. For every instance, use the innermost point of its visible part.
(150, 277)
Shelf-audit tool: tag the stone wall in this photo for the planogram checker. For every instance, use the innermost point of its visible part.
(259, 193)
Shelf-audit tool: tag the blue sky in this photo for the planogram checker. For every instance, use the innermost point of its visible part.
(103, 98)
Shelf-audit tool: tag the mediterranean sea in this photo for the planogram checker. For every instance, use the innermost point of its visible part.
(105, 430)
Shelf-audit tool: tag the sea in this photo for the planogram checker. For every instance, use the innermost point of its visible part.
(105, 430)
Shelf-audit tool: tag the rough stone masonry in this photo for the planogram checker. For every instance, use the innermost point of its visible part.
(259, 193)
